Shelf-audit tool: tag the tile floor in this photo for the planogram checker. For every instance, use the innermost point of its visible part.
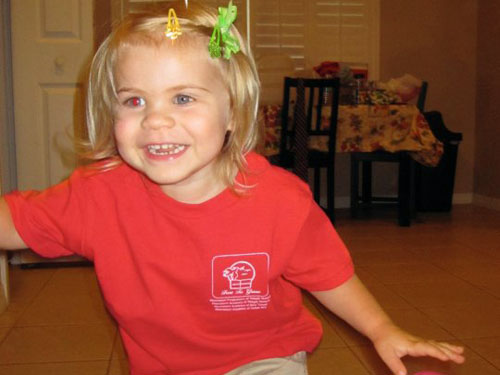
(440, 278)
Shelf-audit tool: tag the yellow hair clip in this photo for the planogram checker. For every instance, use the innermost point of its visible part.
(173, 29)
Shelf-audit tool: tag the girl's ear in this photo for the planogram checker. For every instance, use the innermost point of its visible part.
(230, 123)
(226, 139)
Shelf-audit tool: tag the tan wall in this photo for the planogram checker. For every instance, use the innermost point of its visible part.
(487, 165)
(3, 161)
(436, 41)
(443, 43)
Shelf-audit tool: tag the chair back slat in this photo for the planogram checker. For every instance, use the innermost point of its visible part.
(422, 95)
(312, 95)
(315, 90)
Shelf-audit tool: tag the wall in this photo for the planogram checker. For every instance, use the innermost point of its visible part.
(7, 151)
(442, 42)
(487, 171)
(436, 41)
(5, 155)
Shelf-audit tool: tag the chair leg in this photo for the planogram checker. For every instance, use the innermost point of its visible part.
(330, 193)
(354, 187)
(366, 188)
(317, 184)
(413, 189)
(404, 191)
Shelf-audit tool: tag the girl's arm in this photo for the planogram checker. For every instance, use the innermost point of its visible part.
(353, 303)
(9, 238)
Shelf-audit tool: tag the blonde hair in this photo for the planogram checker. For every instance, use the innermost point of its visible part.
(147, 28)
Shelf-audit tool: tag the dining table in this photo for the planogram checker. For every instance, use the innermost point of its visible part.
(365, 128)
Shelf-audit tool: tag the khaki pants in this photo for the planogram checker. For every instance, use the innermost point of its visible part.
(293, 365)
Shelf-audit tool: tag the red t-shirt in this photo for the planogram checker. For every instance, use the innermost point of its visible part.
(196, 289)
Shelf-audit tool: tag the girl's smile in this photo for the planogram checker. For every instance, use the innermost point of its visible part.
(166, 151)
(171, 116)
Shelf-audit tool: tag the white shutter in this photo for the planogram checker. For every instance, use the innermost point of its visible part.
(314, 31)
(278, 27)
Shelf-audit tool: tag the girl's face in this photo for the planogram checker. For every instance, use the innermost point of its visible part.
(171, 117)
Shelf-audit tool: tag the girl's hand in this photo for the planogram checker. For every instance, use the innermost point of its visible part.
(392, 344)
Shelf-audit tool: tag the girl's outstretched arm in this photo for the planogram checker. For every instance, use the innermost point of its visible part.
(353, 303)
(9, 238)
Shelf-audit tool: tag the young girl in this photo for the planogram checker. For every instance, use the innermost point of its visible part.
(201, 247)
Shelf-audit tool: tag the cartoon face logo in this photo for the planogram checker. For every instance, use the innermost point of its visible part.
(240, 275)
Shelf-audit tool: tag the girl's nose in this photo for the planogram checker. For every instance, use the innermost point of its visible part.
(156, 120)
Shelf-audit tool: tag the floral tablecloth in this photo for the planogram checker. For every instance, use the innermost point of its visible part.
(367, 128)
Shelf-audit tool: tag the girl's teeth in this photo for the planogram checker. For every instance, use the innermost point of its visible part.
(166, 149)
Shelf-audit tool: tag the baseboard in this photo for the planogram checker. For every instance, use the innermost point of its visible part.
(484, 201)
(342, 202)
(461, 198)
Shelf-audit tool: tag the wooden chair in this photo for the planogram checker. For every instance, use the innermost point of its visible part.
(405, 198)
(305, 98)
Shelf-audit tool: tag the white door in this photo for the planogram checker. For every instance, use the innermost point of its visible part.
(52, 43)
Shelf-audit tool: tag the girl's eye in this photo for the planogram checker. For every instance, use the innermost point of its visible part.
(135, 102)
(183, 99)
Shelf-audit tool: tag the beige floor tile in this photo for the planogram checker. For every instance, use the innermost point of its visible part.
(330, 337)
(71, 368)
(55, 308)
(57, 344)
(366, 277)
(479, 238)
(387, 298)
(390, 256)
(73, 280)
(9, 317)
(467, 321)
(457, 257)
(487, 347)
(3, 333)
(474, 364)
(25, 285)
(370, 359)
(438, 279)
(492, 249)
(439, 250)
(407, 273)
(489, 283)
(348, 334)
(478, 273)
(118, 348)
(119, 362)
(118, 366)
(440, 294)
(368, 243)
(419, 324)
(337, 361)
(71, 296)
(419, 237)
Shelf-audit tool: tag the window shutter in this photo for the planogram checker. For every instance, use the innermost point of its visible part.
(314, 31)
(278, 27)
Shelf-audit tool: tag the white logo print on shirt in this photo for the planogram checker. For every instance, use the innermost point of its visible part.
(240, 282)
(240, 275)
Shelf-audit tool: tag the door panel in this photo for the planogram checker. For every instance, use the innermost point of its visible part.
(52, 44)
(4, 281)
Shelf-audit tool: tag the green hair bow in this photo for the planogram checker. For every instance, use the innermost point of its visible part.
(221, 39)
